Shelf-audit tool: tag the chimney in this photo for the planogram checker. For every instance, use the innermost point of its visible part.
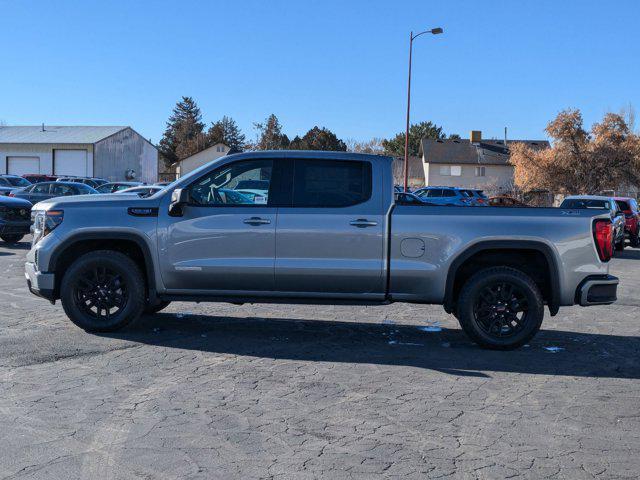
(476, 136)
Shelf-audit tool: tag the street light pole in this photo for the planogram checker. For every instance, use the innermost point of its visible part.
(412, 37)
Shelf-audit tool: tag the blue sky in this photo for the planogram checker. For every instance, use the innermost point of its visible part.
(339, 64)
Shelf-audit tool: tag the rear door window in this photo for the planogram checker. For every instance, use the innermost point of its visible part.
(331, 183)
(448, 193)
(41, 188)
(434, 193)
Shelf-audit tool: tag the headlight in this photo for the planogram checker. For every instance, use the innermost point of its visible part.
(45, 222)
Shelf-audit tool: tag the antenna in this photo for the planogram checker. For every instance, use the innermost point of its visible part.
(43, 126)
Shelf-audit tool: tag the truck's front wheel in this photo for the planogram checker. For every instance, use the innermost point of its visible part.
(103, 291)
(500, 308)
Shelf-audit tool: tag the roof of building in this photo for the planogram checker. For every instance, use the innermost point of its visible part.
(56, 134)
(459, 151)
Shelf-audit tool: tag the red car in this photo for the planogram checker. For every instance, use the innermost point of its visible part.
(39, 177)
(629, 207)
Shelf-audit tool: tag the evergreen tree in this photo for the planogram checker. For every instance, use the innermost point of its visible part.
(270, 136)
(318, 139)
(227, 131)
(184, 131)
(417, 131)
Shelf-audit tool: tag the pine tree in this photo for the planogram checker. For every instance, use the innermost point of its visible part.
(270, 136)
(226, 131)
(417, 131)
(318, 139)
(184, 132)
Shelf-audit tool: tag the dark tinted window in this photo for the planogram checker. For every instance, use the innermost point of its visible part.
(18, 181)
(41, 188)
(622, 205)
(4, 181)
(328, 183)
(584, 203)
(433, 193)
(449, 193)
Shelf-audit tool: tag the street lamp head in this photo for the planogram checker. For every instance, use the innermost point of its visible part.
(437, 31)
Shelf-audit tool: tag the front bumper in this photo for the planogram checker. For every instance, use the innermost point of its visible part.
(39, 283)
(15, 228)
(597, 290)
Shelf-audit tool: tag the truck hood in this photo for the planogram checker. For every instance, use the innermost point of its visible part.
(96, 201)
(14, 202)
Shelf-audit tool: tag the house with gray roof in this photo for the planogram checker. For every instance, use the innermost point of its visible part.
(472, 163)
(114, 153)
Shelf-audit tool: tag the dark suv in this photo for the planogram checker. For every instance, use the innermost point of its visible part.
(15, 219)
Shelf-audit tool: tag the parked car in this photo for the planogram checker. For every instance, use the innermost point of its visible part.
(329, 218)
(505, 201)
(113, 187)
(449, 196)
(407, 198)
(477, 196)
(46, 190)
(142, 191)
(15, 219)
(629, 207)
(39, 177)
(600, 203)
(9, 183)
(92, 182)
(163, 184)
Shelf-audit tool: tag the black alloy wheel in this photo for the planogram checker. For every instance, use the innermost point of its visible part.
(100, 292)
(501, 309)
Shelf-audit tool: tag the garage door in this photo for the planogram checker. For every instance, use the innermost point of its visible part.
(23, 165)
(70, 162)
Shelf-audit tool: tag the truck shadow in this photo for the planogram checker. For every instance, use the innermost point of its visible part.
(448, 351)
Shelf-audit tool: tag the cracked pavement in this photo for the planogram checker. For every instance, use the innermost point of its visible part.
(205, 391)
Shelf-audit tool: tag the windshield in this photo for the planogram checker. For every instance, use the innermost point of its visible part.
(18, 181)
(585, 203)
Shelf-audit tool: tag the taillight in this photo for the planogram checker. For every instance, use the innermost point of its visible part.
(10, 195)
(602, 234)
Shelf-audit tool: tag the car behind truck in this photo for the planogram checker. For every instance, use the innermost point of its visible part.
(328, 231)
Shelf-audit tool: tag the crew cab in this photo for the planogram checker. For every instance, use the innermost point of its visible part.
(328, 231)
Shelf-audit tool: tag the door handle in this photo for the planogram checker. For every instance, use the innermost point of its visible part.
(362, 223)
(257, 221)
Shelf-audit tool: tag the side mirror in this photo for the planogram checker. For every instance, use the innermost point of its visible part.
(179, 198)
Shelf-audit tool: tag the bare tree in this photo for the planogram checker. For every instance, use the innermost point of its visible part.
(580, 161)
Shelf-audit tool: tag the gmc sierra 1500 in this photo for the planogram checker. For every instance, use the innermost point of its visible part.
(323, 228)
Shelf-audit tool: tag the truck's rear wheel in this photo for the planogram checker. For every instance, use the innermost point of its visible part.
(635, 239)
(103, 291)
(500, 308)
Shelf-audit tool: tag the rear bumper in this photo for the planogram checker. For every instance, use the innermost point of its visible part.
(597, 290)
(39, 283)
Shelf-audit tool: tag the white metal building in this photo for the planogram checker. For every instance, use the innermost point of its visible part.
(203, 157)
(113, 153)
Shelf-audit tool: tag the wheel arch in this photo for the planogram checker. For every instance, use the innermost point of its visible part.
(551, 293)
(131, 244)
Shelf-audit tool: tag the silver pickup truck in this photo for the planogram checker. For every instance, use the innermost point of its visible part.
(315, 227)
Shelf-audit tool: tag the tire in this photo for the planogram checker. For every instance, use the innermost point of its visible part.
(156, 307)
(620, 245)
(635, 239)
(15, 238)
(105, 280)
(500, 297)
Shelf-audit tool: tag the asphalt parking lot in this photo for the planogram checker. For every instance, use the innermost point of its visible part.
(268, 391)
